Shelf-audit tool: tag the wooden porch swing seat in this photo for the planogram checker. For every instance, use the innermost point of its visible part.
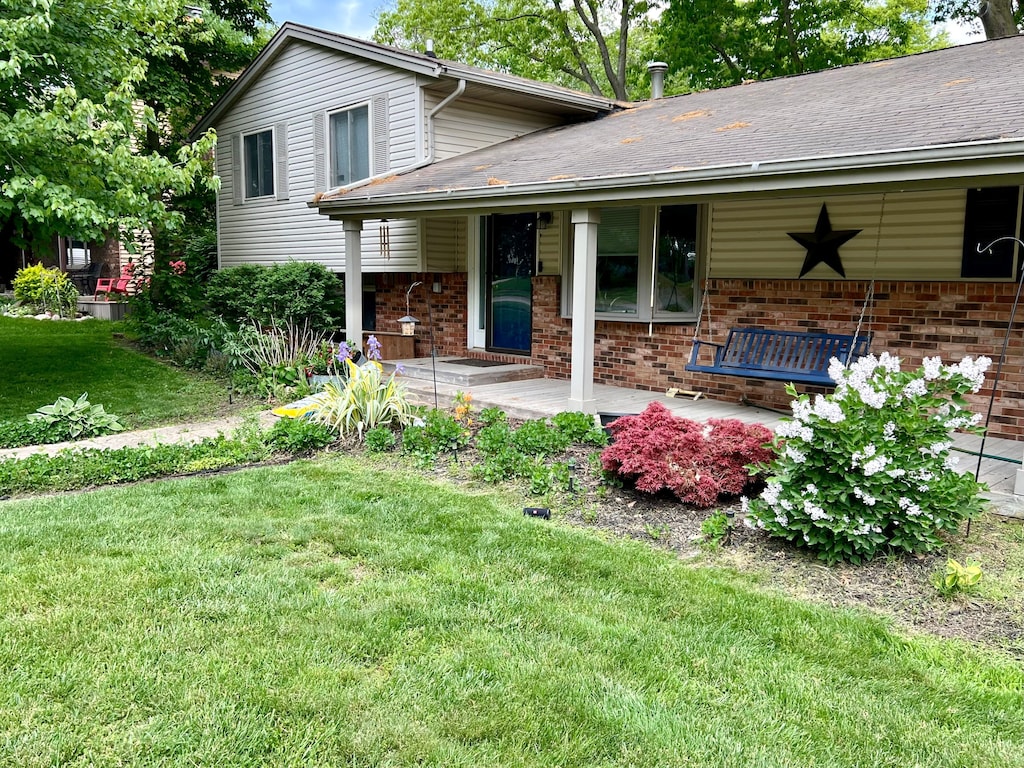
(761, 353)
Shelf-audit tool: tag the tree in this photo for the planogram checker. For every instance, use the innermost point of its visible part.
(72, 131)
(577, 43)
(211, 45)
(999, 18)
(711, 43)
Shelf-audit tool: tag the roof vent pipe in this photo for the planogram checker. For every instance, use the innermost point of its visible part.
(430, 48)
(657, 70)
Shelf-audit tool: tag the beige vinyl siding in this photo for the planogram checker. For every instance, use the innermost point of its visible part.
(550, 245)
(305, 80)
(921, 236)
(445, 244)
(466, 125)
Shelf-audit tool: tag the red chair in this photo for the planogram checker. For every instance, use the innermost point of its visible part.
(119, 284)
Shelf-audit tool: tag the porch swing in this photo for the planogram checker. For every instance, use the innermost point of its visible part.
(801, 357)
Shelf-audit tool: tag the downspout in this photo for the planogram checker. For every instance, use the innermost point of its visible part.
(460, 89)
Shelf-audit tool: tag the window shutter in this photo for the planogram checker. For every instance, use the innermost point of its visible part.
(237, 198)
(281, 160)
(380, 134)
(319, 152)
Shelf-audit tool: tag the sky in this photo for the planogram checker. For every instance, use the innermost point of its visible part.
(356, 17)
(350, 17)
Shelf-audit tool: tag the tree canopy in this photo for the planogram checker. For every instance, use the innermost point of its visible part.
(96, 98)
(711, 43)
(584, 44)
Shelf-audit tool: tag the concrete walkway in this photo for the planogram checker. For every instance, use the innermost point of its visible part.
(175, 433)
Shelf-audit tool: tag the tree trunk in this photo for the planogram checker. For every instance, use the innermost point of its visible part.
(997, 18)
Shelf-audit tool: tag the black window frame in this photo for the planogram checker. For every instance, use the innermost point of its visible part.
(258, 162)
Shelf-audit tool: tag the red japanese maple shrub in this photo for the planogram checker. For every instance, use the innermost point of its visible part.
(699, 463)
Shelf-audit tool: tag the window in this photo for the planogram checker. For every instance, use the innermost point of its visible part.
(259, 164)
(618, 261)
(677, 261)
(646, 264)
(990, 214)
(350, 145)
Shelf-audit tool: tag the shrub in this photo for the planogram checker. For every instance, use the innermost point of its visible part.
(299, 436)
(299, 292)
(367, 400)
(69, 419)
(189, 343)
(869, 466)
(276, 357)
(697, 462)
(48, 289)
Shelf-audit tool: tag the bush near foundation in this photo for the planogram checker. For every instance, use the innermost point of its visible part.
(699, 463)
(868, 469)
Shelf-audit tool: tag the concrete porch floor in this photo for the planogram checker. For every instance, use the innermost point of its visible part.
(537, 397)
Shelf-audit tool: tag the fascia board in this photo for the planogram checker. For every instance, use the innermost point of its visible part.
(961, 161)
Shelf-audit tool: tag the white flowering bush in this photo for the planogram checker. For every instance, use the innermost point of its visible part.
(869, 467)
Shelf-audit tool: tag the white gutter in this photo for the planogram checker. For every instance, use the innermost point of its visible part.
(460, 89)
(752, 177)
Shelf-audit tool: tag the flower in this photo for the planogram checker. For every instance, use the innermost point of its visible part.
(373, 348)
(178, 267)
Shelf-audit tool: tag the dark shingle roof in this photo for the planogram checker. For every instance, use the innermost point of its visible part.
(957, 95)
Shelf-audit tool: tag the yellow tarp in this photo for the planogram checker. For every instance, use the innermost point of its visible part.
(300, 408)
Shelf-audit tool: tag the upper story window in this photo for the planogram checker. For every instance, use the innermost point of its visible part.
(258, 150)
(350, 145)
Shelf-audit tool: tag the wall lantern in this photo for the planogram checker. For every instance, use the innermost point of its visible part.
(543, 219)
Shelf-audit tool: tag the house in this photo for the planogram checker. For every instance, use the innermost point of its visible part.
(593, 239)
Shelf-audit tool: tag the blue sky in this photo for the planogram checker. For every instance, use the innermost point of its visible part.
(351, 17)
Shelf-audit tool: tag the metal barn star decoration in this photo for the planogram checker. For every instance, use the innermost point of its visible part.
(823, 244)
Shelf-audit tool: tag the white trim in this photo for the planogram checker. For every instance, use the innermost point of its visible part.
(273, 166)
(368, 105)
(476, 337)
(955, 163)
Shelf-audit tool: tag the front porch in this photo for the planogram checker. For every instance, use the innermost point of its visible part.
(538, 397)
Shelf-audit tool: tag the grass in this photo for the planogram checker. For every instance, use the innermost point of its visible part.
(42, 360)
(333, 613)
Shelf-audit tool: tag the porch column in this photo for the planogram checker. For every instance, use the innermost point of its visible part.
(584, 288)
(1018, 483)
(354, 280)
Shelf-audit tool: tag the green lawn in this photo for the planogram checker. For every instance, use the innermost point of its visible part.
(41, 361)
(330, 613)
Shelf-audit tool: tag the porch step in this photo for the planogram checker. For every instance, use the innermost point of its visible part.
(452, 370)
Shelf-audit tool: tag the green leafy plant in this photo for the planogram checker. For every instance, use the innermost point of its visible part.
(50, 290)
(868, 468)
(493, 415)
(957, 578)
(74, 419)
(299, 436)
(367, 400)
(15, 434)
(294, 292)
(436, 433)
(714, 529)
(380, 440)
(275, 356)
(580, 428)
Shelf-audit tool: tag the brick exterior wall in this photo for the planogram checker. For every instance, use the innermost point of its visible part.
(447, 309)
(910, 319)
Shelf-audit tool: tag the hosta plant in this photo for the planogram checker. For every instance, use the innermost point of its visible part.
(74, 419)
(868, 468)
(699, 463)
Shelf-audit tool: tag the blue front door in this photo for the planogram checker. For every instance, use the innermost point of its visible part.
(512, 254)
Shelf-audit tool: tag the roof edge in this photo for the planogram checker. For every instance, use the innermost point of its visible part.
(776, 175)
